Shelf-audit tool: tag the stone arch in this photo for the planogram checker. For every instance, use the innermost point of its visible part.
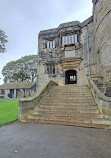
(70, 77)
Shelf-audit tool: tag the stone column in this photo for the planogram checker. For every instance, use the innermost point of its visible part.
(14, 93)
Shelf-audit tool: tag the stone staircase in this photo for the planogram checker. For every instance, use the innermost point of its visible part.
(69, 105)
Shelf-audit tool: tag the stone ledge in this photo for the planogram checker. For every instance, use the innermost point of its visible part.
(34, 97)
(103, 102)
(100, 94)
(27, 105)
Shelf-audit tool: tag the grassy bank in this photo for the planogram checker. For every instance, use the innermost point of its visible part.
(1, 99)
(8, 111)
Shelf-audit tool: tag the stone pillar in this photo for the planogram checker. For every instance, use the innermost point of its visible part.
(14, 93)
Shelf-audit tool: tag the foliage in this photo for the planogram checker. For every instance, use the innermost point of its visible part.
(21, 70)
(3, 41)
(8, 111)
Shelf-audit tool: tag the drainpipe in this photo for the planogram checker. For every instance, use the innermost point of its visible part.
(88, 54)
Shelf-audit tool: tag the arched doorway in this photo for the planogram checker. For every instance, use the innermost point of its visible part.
(70, 77)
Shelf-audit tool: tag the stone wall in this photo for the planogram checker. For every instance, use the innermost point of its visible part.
(103, 102)
(27, 105)
(102, 36)
(93, 47)
(60, 52)
(87, 40)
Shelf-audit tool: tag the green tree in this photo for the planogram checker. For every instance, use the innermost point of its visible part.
(21, 70)
(3, 41)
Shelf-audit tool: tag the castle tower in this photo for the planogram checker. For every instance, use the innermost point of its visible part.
(102, 37)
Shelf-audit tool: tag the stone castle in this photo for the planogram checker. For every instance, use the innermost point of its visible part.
(80, 49)
(76, 57)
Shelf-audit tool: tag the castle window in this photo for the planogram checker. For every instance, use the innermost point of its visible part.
(76, 38)
(63, 40)
(69, 39)
(53, 69)
(50, 44)
(53, 44)
(50, 69)
(72, 39)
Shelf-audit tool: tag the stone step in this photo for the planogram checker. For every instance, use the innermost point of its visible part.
(71, 91)
(78, 124)
(69, 98)
(68, 114)
(92, 123)
(64, 118)
(70, 88)
(66, 111)
(69, 107)
(71, 95)
(70, 119)
(73, 100)
(69, 104)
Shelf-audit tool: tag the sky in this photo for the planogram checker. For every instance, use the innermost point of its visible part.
(22, 20)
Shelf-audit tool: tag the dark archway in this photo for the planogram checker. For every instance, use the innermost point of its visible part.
(70, 77)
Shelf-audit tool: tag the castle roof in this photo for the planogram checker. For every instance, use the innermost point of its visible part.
(17, 85)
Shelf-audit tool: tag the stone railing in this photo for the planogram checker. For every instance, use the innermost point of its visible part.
(103, 102)
(27, 105)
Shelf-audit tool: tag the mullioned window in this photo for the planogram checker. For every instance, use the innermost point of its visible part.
(69, 39)
(50, 44)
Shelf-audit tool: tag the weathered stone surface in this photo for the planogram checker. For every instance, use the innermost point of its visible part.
(70, 105)
(102, 33)
(89, 57)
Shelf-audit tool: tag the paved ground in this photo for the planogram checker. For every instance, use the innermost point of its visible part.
(51, 141)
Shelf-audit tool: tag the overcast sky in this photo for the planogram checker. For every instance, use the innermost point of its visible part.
(23, 19)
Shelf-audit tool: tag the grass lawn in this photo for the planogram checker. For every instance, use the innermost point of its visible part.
(1, 99)
(8, 111)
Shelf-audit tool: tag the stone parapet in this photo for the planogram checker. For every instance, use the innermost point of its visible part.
(27, 105)
(103, 102)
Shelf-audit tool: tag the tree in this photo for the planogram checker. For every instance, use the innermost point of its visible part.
(22, 70)
(3, 41)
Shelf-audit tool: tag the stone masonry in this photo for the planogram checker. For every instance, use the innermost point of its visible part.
(74, 53)
(90, 55)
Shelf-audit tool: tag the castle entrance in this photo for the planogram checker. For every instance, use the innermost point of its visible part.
(70, 77)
